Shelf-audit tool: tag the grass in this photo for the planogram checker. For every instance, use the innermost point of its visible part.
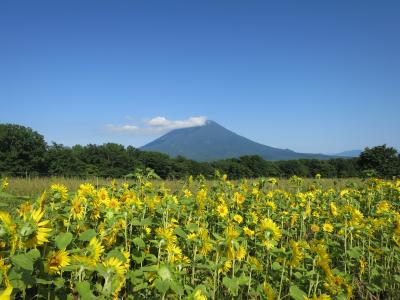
(33, 187)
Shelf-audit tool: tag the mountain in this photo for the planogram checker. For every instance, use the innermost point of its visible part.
(351, 153)
(212, 142)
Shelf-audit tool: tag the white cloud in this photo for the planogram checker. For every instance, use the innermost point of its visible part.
(157, 125)
(121, 128)
(161, 122)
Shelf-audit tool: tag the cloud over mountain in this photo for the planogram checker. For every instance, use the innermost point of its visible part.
(157, 125)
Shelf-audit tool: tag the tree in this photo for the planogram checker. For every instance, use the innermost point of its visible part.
(289, 168)
(380, 160)
(63, 161)
(21, 150)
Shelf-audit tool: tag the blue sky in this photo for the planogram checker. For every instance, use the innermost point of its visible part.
(312, 76)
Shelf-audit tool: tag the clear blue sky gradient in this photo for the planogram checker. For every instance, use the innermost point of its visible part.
(312, 76)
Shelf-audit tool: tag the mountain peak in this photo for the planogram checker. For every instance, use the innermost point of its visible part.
(212, 141)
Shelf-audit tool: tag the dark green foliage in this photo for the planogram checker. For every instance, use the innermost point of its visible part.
(381, 161)
(25, 151)
(63, 161)
(22, 150)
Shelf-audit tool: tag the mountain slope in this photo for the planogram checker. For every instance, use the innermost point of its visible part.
(212, 141)
(351, 153)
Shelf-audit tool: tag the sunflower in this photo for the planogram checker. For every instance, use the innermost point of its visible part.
(115, 266)
(24, 209)
(254, 217)
(383, 207)
(4, 184)
(59, 192)
(272, 181)
(4, 281)
(248, 231)
(363, 263)
(116, 275)
(167, 236)
(191, 236)
(333, 208)
(198, 295)
(34, 232)
(113, 203)
(271, 204)
(187, 193)
(293, 219)
(7, 231)
(268, 244)
(238, 198)
(323, 259)
(231, 232)
(96, 250)
(222, 210)
(315, 228)
(87, 190)
(238, 218)
(297, 255)
(207, 246)
(327, 227)
(174, 253)
(268, 290)
(226, 267)
(241, 253)
(255, 263)
(269, 228)
(6, 294)
(102, 194)
(127, 256)
(56, 261)
(77, 209)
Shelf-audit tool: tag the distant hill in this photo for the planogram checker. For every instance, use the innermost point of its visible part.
(351, 153)
(212, 142)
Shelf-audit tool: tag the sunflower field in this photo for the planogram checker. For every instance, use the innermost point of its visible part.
(224, 240)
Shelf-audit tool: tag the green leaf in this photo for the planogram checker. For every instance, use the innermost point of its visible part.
(59, 282)
(43, 281)
(232, 285)
(296, 293)
(146, 222)
(140, 286)
(87, 235)
(151, 258)
(354, 252)
(139, 242)
(117, 254)
(152, 268)
(138, 256)
(164, 272)
(162, 285)
(84, 290)
(176, 287)
(179, 231)
(23, 261)
(135, 222)
(63, 240)
(34, 254)
(192, 227)
(276, 266)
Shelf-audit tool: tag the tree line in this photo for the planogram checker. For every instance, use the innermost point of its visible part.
(24, 151)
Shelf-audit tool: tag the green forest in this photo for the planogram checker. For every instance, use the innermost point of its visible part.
(24, 152)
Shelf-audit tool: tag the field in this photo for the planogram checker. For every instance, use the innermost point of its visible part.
(197, 239)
